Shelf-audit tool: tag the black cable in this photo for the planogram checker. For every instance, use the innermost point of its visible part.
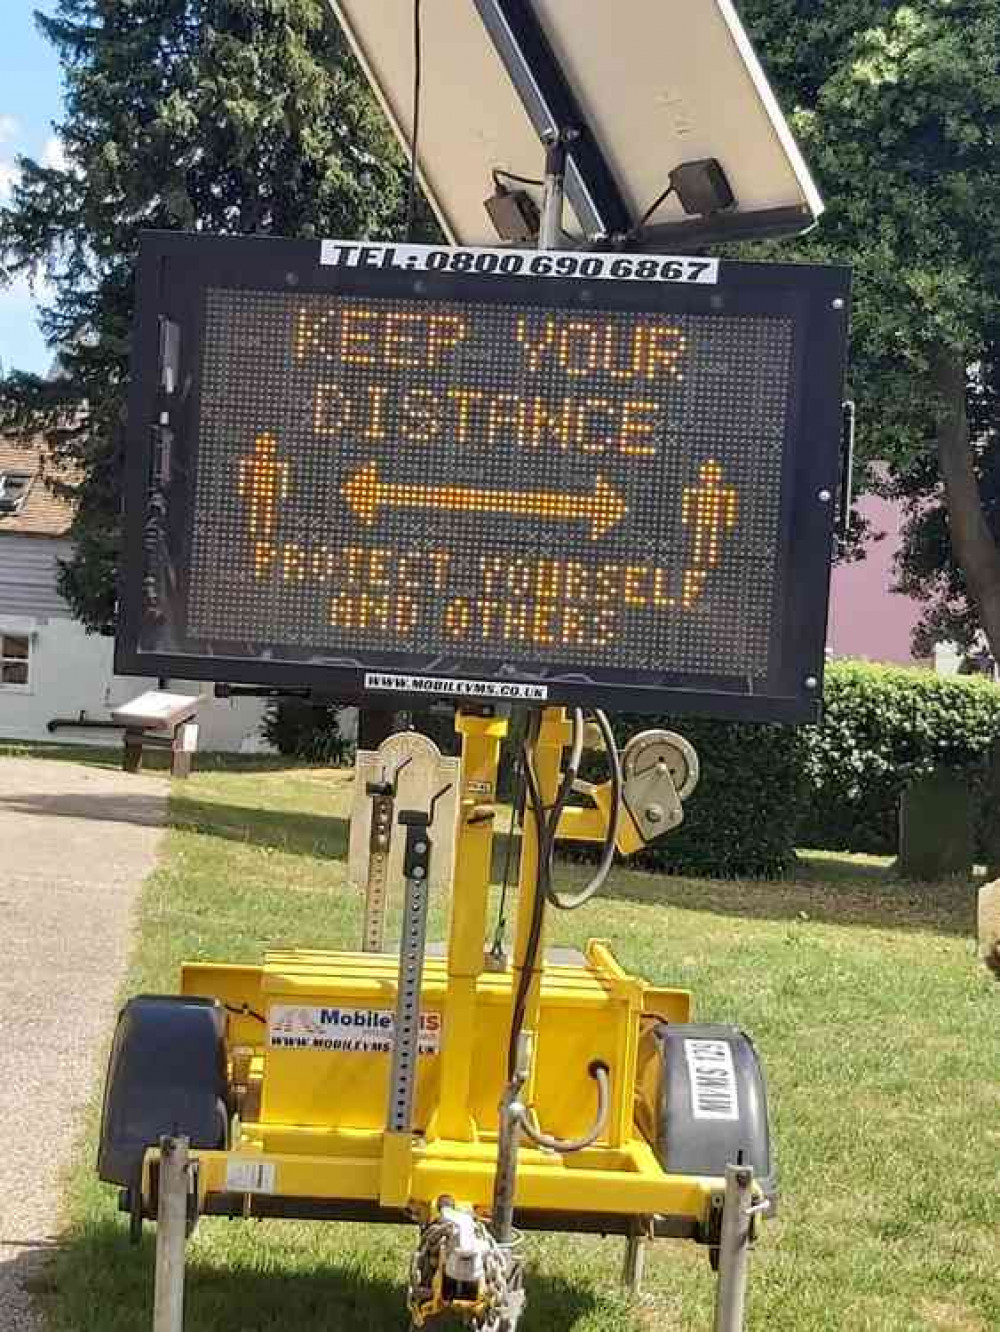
(546, 823)
(597, 880)
(411, 196)
(516, 820)
(657, 203)
(245, 1011)
(538, 904)
(499, 174)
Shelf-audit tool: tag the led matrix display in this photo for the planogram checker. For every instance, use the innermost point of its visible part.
(493, 479)
(490, 480)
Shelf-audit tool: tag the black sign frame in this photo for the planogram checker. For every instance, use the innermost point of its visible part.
(174, 272)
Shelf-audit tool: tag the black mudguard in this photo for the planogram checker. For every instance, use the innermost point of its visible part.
(702, 1101)
(167, 1075)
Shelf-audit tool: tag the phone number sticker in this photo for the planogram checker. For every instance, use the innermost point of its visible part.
(505, 263)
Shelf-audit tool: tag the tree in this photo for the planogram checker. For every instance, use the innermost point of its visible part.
(928, 569)
(897, 106)
(243, 116)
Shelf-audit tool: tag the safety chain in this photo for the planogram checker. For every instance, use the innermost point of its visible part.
(485, 1308)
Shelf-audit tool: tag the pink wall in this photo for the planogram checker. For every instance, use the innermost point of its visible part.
(866, 618)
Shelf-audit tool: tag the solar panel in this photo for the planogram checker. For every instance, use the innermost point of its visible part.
(650, 86)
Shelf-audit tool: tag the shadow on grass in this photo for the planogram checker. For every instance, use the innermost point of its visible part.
(153, 760)
(299, 834)
(26, 1279)
(96, 1282)
(822, 890)
(836, 890)
(324, 835)
(147, 810)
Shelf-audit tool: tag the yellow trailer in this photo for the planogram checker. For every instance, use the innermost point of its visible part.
(554, 1092)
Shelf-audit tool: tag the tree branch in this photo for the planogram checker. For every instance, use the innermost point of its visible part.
(972, 540)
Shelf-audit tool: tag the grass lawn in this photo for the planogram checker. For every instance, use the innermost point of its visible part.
(879, 1032)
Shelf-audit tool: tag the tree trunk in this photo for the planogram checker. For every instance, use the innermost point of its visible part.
(972, 542)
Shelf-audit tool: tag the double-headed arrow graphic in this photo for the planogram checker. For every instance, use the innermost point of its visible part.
(365, 494)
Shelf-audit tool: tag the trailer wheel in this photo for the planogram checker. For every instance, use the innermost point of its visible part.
(167, 1075)
(702, 1105)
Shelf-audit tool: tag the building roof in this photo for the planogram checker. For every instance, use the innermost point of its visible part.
(42, 512)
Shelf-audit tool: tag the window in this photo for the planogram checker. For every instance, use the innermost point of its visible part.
(15, 660)
(14, 487)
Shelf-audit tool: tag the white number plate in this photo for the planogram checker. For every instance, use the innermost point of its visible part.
(713, 1080)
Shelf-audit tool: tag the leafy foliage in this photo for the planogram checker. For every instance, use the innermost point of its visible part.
(928, 569)
(883, 726)
(308, 731)
(897, 106)
(742, 819)
(230, 116)
(765, 790)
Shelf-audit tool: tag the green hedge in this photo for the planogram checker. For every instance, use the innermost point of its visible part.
(765, 790)
(883, 726)
(741, 821)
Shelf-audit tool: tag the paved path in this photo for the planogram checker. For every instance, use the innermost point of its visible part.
(75, 843)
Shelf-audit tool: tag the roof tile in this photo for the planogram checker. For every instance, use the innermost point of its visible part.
(42, 513)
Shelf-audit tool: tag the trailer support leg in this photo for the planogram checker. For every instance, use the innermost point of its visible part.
(635, 1263)
(734, 1250)
(171, 1235)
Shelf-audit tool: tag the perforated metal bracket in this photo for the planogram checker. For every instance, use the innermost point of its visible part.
(383, 798)
(412, 947)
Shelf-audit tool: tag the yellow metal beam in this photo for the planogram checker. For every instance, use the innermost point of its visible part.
(481, 741)
(555, 733)
(624, 1183)
(396, 1180)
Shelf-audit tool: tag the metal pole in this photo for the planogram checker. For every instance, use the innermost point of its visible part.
(171, 1236)
(635, 1263)
(550, 227)
(550, 236)
(412, 946)
(734, 1250)
(508, 1146)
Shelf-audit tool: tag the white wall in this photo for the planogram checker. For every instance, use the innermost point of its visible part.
(71, 676)
(28, 571)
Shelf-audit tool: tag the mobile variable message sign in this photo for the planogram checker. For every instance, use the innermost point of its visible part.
(498, 474)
